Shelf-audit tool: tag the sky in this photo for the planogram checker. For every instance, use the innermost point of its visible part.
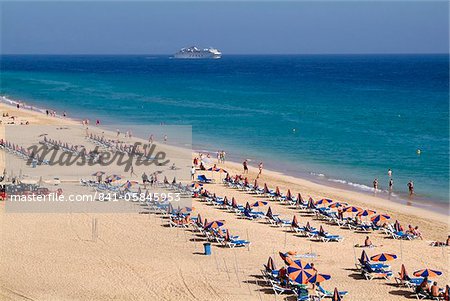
(320, 27)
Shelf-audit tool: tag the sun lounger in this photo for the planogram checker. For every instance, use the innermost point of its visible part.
(232, 243)
(278, 289)
(371, 273)
(323, 293)
(203, 179)
(328, 237)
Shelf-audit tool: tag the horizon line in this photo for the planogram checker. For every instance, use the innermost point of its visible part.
(231, 54)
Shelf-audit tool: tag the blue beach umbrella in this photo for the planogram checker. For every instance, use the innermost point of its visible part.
(300, 271)
(379, 218)
(317, 278)
(324, 202)
(427, 273)
(259, 204)
(383, 257)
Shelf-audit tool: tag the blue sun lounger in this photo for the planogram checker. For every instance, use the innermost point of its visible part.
(323, 293)
(203, 179)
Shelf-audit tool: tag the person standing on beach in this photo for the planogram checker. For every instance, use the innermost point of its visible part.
(144, 180)
(192, 172)
(391, 184)
(260, 166)
(150, 139)
(245, 165)
(411, 187)
(165, 138)
(375, 184)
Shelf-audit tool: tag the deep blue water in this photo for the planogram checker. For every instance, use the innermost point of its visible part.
(354, 116)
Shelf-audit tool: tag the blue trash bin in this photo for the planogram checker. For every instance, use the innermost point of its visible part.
(207, 247)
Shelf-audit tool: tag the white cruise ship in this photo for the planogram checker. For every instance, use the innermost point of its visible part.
(196, 53)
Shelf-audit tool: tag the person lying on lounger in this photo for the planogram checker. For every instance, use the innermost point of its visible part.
(441, 243)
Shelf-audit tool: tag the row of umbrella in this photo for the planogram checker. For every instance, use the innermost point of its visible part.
(389, 257)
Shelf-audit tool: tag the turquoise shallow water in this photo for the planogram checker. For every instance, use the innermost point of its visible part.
(354, 116)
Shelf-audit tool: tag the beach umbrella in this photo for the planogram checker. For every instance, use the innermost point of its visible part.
(199, 219)
(336, 296)
(324, 202)
(287, 260)
(186, 209)
(233, 203)
(352, 209)
(128, 184)
(427, 273)
(383, 257)
(366, 212)
(299, 199)
(300, 271)
(379, 218)
(227, 234)
(337, 204)
(205, 223)
(364, 257)
(196, 185)
(259, 204)
(317, 278)
(266, 189)
(288, 195)
(113, 178)
(271, 264)
(308, 227)
(403, 274)
(321, 230)
(215, 224)
(269, 212)
(98, 173)
(311, 203)
(446, 292)
(247, 207)
(294, 222)
(397, 225)
(277, 191)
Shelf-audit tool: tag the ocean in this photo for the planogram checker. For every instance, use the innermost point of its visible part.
(339, 119)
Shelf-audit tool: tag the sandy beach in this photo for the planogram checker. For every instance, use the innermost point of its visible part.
(137, 256)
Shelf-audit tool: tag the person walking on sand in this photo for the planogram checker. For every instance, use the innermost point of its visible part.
(150, 139)
(411, 187)
(260, 166)
(245, 165)
(132, 171)
(118, 133)
(375, 184)
(165, 138)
